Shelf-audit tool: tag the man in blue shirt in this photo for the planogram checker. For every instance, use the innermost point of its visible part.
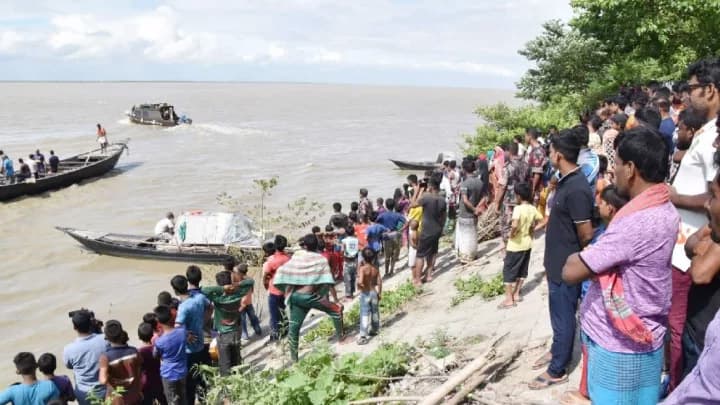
(375, 234)
(587, 159)
(393, 221)
(7, 168)
(83, 356)
(170, 348)
(30, 391)
(191, 316)
(667, 125)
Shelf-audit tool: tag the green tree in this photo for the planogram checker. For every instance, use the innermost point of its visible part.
(566, 62)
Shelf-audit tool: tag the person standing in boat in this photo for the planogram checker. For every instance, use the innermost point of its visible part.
(54, 162)
(33, 164)
(165, 228)
(102, 138)
(7, 169)
(40, 159)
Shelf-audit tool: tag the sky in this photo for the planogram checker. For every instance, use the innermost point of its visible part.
(463, 43)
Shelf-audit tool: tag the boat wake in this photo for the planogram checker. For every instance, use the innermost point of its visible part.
(217, 129)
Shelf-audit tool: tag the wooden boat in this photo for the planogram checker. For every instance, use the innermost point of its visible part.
(415, 165)
(424, 165)
(70, 171)
(161, 114)
(148, 247)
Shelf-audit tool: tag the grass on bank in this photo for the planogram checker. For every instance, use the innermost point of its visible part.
(476, 285)
(390, 303)
(318, 378)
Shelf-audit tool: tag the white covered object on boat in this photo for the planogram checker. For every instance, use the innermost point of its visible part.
(215, 228)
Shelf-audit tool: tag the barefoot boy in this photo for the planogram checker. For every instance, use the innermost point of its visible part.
(370, 286)
(517, 258)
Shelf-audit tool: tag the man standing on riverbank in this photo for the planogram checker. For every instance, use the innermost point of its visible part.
(691, 189)
(276, 298)
(306, 280)
(365, 208)
(514, 173)
(471, 193)
(537, 160)
(191, 315)
(568, 231)
(624, 312)
(83, 357)
(434, 209)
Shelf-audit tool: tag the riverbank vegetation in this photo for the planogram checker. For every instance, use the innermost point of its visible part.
(607, 44)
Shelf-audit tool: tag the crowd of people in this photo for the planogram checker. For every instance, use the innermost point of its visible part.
(28, 170)
(629, 199)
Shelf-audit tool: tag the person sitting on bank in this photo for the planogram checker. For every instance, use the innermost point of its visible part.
(165, 228)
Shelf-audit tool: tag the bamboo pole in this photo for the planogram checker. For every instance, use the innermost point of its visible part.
(466, 372)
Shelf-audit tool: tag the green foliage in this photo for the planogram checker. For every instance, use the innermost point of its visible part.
(565, 62)
(438, 345)
(502, 123)
(317, 378)
(291, 219)
(475, 285)
(391, 302)
(671, 33)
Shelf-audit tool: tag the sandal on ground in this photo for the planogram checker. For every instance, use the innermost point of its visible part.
(505, 306)
(541, 382)
(574, 398)
(363, 341)
(542, 362)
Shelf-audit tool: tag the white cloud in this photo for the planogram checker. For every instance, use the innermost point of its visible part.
(472, 37)
(10, 41)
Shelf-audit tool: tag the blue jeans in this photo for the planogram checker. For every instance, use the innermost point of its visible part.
(369, 313)
(691, 353)
(249, 312)
(278, 317)
(349, 273)
(563, 300)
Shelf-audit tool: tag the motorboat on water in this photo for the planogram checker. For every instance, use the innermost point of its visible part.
(199, 237)
(424, 165)
(71, 170)
(161, 114)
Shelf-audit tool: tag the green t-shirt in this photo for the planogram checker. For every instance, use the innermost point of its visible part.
(227, 306)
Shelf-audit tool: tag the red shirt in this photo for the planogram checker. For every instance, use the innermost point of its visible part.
(270, 267)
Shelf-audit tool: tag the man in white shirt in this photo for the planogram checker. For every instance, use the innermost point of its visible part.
(165, 228)
(33, 166)
(691, 190)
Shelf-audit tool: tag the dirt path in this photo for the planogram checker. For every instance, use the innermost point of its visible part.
(474, 320)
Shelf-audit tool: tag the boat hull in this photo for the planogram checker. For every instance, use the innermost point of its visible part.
(64, 179)
(145, 251)
(158, 123)
(415, 165)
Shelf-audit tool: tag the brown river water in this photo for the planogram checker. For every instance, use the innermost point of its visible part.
(323, 141)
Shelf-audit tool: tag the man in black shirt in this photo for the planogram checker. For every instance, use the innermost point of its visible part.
(569, 229)
(434, 215)
(54, 162)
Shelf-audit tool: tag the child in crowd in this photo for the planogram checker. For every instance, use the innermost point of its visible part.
(152, 320)
(247, 311)
(545, 202)
(333, 252)
(413, 236)
(170, 348)
(164, 298)
(47, 363)
(361, 231)
(609, 202)
(380, 206)
(354, 207)
(30, 391)
(150, 379)
(603, 179)
(369, 283)
(519, 246)
(350, 249)
(120, 366)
